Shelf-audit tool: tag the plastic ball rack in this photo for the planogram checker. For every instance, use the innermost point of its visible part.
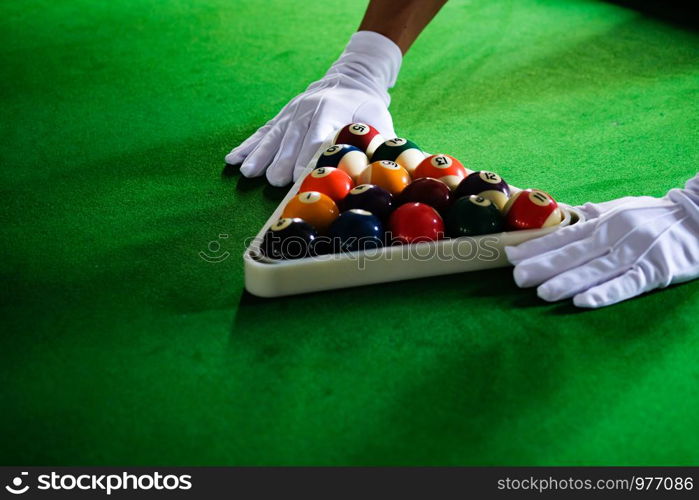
(265, 277)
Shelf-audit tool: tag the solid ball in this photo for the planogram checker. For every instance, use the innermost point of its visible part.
(405, 153)
(428, 191)
(442, 167)
(356, 230)
(386, 174)
(328, 180)
(374, 199)
(532, 209)
(489, 185)
(416, 222)
(350, 159)
(318, 209)
(289, 239)
(474, 215)
(361, 135)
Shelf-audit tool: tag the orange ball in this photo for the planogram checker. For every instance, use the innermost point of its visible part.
(386, 174)
(318, 209)
(328, 180)
(446, 168)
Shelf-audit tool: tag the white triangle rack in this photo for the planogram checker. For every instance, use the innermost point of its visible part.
(266, 277)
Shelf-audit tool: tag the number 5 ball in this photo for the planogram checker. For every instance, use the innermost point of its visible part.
(361, 135)
(317, 209)
(443, 167)
(532, 209)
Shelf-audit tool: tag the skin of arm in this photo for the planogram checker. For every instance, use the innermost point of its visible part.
(400, 20)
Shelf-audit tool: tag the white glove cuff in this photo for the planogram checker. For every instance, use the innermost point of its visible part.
(688, 197)
(371, 59)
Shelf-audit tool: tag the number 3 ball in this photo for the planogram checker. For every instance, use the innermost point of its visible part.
(328, 180)
(361, 135)
(405, 153)
(350, 159)
(443, 167)
(532, 209)
(289, 239)
(416, 222)
(373, 199)
(489, 185)
(386, 174)
(356, 230)
(474, 215)
(317, 209)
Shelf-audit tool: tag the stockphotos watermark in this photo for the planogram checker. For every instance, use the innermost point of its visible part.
(99, 483)
(362, 250)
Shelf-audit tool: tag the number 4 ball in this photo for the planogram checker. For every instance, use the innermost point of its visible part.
(361, 135)
(446, 168)
(532, 209)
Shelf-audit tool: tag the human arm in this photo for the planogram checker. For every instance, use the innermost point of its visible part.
(355, 89)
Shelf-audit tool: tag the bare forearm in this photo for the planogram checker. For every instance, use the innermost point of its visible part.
(400, 20)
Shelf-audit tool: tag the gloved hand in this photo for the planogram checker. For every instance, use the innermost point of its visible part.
(625, 248)
(355, 89)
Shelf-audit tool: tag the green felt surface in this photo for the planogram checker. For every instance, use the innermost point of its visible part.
(120, 345)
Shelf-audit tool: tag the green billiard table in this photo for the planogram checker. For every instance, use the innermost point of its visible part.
(127, 337)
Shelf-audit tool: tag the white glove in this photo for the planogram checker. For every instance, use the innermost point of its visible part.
(355, 89)
(625, 248)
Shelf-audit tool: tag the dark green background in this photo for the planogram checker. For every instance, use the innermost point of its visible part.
(120, 345)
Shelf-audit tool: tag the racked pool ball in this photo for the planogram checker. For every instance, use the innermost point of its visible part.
(373, 199)
(318, 209)
(416, 222)
(429, 191)
(328, 180)
(356, 230)
(350, 159)
(442, 167)
(532, 209)
(361, 135)
(289, 239)
(474, 215)
(405, 153)
(487, 184)
(386, 174)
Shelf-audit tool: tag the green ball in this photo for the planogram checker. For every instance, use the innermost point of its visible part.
(404, 152)
(474, 215)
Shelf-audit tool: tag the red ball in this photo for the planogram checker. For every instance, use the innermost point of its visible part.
(428, 191)
(361, 135)
(416, 222)
(442, 167)
(330, 181)
(532, 209)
